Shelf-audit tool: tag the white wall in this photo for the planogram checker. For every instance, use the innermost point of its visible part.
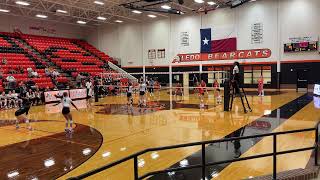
(9, 23)
(281, 19)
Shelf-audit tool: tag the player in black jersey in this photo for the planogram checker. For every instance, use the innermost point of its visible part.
(22, 112)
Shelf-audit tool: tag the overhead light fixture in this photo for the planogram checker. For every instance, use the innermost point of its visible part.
(136, 11)
(253, 0)
(165, 7)
(101, 18)
(99, 2)
(23, 3)
(199, 1)
(211, 3)
(61, 11)
(81, 22)
(152, 16)
(4, 10)
(41, 16)
(118, 21)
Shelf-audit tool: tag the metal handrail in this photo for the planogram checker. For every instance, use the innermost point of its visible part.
(203, 165)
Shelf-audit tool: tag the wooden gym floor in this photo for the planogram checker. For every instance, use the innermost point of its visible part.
(107, 131)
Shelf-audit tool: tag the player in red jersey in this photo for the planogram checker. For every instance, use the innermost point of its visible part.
(260, 86)
(201, 90)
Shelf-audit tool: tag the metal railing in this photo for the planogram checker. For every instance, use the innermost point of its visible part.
(203, 164)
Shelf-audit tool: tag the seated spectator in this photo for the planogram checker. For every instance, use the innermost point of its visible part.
(38, 96)
(34, 74)
(55, 74)
(10, 100)
(3, 101)
(31, 96)
(47, 72)
(1, 73)
(4, 61)
(11, 82)
(17, 100)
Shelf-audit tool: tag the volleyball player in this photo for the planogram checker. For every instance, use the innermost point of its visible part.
(66, 102)
(236, 77)
(22, 113)
(3, 100)
(201, 95)
(142, 92)
(260, 86)
(178, 92)
(129, 95)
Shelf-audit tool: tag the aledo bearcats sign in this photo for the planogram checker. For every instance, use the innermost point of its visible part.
(240, 54)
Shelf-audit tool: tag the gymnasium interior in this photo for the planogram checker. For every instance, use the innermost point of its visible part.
(159, 89)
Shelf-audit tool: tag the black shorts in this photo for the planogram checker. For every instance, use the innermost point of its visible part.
(142, 93)
(129, 95)
(65, 110)
(23, 110)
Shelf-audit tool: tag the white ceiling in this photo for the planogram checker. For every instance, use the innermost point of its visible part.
(88, 11)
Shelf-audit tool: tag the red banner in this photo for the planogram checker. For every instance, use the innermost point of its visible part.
(240, 54)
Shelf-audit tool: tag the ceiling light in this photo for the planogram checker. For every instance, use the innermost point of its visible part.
(99, 2)
(41, 16)
(61, 11)
(101, 18)
(118, 21)
(199, 1)
(136, 11)
(81, 22)
(23, 3)
(253, 0)
(211, 3)
(152, 16)
(4, 10)
(165, 7)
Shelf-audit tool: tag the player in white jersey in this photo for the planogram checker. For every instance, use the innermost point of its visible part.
(142, 92)
(129, 95)
(66, 103)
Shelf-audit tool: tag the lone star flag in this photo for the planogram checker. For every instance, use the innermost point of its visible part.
(205, 40)
(213, 46)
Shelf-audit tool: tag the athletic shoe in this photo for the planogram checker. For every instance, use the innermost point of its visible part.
(17, 126)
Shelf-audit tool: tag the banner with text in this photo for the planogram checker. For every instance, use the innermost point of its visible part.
(235, 55)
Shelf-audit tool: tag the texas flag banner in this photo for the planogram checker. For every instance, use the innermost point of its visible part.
(205, 40)
(213, 46)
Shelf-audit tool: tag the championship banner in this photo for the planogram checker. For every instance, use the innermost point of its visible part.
(50, 96)
(239, 54)
(78, 93)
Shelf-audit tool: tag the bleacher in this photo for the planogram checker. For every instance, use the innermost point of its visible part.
(16, 57)
(69, 55)
(95, 51)
(66, 55)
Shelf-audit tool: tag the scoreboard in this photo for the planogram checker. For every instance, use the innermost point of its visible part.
(301, 46)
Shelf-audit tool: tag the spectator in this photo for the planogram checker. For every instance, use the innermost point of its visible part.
(89, 88)
(35, 74)
(4, 61)
(3, 101)
(79, 80)
(38, 96)
(1, 73)
(11, 82)
(12, 71)
(31, 96)
(55, 74)
(47, 72)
